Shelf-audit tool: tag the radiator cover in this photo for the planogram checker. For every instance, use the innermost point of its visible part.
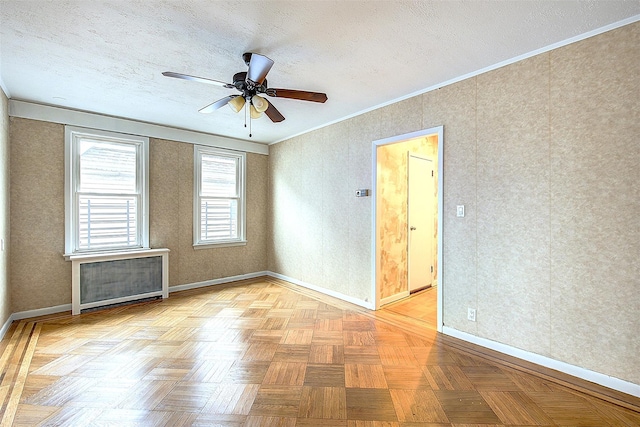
(105, 279)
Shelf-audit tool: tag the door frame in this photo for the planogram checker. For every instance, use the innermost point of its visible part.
(441, 286)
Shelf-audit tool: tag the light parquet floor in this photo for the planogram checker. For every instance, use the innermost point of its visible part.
(421, 306)
(262, 353)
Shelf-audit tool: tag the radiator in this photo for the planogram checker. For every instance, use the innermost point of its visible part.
(104, 279)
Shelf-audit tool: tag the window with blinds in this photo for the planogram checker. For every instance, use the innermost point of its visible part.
(107, 192)
(219, 196)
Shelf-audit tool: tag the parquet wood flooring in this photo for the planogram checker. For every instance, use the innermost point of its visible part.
(265, 353)
(420, 306)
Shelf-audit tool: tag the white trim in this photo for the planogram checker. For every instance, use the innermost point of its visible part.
(375, 295)
(547, 362)
(40, 312)
(8, 95)
(437, 130)
(221, 281)
(47, 113)
(6, 326)
(112, 301)
(394, 298)
(440, 277)
(113, 255)
(72, 138)
(325, 291)
(501, 64)
(241, 191)
(219, 245)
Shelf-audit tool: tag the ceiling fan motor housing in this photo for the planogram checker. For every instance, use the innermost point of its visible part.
(248, 90)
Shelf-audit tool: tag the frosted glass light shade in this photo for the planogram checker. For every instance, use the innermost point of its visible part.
(236, 104)
(260, 103)
(255, 114)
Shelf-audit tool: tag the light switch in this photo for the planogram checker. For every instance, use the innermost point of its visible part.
(460, 211)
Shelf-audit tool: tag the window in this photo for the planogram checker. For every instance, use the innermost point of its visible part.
(218, 209)
(106, 191)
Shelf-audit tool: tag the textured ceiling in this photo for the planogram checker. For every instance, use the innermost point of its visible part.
(107, 56)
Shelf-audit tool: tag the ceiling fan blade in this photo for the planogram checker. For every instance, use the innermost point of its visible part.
(218, 104)
(297, 94)
(259, 66)
(273, 113)
(197, 79)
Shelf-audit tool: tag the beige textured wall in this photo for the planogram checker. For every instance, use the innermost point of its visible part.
(322, 233)
(171, 217)
(41, 278)
(392, 188)
(595, 200)
(5, 285)
(544, 155)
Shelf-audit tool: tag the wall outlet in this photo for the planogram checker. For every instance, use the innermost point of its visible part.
(460, 211)
(471, 314)
(363, 192)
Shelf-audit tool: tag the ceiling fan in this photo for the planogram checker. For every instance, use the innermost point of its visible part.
(252, 84)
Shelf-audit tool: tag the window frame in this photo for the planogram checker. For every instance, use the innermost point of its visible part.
(73, 137)
(241, 184)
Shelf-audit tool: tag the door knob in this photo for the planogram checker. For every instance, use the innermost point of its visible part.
(412, 228)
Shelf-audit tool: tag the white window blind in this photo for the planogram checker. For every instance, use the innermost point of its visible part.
(219, 196)
(107, 192)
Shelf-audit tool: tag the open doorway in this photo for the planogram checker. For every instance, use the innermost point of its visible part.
(403, 262)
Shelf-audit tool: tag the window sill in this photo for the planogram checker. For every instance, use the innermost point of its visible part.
(109, 255)
(199, 246)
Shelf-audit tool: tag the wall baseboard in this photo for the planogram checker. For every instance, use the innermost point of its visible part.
(67, 307)
(220, 281)
(366, 304)
(40, 312)
(223, 280)
(547, 362)
(6, 326)
(32, 313)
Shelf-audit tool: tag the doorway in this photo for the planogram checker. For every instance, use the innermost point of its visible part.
(393, 260)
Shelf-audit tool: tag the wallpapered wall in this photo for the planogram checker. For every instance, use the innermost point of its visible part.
(391, 228)
(5, 294)
(544, 155)
(40, 277)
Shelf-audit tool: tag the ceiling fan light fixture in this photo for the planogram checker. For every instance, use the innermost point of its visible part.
(236, 103)
(250, 84)
(259, 103)
(255, 114)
